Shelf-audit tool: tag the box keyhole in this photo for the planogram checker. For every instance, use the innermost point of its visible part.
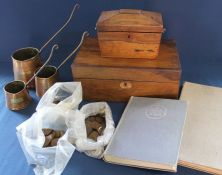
(129, 36)
(125, 85)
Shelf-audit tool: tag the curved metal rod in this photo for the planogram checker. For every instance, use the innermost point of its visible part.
(74, 51)
(54, 47)
(70, 17)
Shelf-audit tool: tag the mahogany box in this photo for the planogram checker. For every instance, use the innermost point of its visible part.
(112, 79)
(129, 33)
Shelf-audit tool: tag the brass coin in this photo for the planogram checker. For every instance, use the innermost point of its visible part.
(59, 134)
(93, 135)
(54, 142)
(92, 118)
(47, 131)
(88, 129)
(48, 139)
(99, 119)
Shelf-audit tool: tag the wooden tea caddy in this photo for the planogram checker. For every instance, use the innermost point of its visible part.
(129, 33)
(112, 79)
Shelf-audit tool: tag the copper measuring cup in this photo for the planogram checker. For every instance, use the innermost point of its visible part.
(49, 74)
(16, 93)
(27, 60)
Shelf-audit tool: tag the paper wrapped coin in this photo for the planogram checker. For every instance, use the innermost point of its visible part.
(47, 131)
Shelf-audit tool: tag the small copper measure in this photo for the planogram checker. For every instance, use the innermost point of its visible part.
(16, 94)
(49, 74)
(27, 60)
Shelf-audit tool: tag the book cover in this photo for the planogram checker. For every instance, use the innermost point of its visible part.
(148, 134)
(201, 146)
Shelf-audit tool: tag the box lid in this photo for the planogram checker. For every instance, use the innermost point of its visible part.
(130, 20)
(89, 64)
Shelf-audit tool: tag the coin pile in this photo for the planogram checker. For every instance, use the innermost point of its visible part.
(51, 137)
(95, 126)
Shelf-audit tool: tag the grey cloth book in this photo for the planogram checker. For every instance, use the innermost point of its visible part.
(148, 134)
(201, 147)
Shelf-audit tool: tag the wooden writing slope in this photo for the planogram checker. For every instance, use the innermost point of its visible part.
(113, 79)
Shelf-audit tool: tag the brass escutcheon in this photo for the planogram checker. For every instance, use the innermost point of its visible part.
(126, 85)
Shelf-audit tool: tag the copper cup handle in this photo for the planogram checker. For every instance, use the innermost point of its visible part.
(74, 51)
(70, 17)
(54, 47)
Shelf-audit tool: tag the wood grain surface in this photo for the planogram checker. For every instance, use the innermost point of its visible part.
(132, 37)
(130, 20)
(114, 79)
(89, 55)
(124, 49)
(119, 90)
(129, 33)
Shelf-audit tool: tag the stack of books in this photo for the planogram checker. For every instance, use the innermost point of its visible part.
(156, 133)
